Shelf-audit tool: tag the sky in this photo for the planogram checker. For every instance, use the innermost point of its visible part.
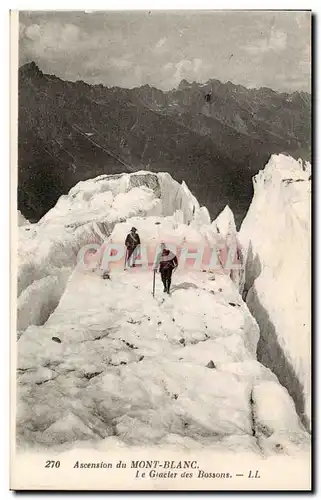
(128, 49)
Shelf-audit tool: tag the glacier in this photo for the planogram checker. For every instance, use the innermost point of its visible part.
(106, 363)
(88, 214)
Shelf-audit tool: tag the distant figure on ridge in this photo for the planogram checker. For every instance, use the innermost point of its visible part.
(167, 263)
(132, 243)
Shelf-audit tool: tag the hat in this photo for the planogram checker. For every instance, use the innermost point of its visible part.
(133, 229)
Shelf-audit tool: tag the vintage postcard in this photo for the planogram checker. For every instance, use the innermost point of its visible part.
(161, 250)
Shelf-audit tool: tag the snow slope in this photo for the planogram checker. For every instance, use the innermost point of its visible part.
(103, 361)
(114, 363)
(276, 234)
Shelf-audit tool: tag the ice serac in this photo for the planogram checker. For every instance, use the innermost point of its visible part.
(22, 221)
(225, 223)
(113, 364)
(276, 234)
(224, 226)
(40, 299)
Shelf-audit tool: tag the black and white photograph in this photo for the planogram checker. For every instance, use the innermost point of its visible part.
(161, 250)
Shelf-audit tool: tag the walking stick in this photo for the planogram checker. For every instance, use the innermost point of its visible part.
(125, 261)
(154, 283)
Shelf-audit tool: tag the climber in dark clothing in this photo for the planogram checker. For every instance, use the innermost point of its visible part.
(168, 262)
(132, 242)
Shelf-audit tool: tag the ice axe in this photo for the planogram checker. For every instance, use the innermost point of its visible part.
(154, 274)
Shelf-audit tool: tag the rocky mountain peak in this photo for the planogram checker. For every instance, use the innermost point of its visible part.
(30, 70)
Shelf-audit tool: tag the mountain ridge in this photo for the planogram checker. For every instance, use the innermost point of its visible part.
(72, 131)
(34, 66)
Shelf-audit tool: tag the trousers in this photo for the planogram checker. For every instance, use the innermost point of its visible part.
(166, 275)
(131, 255)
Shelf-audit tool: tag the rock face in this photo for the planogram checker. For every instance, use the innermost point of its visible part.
(113, 364)
(276, 235)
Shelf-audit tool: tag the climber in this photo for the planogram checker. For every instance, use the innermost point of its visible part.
(168, 262)
(132, 243)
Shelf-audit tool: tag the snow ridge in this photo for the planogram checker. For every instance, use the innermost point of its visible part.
(88, 214)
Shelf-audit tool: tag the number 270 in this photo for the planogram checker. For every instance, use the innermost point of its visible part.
(50, 464)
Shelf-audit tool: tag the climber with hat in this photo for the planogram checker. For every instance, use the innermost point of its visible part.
(132, 243)
(167, 263)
